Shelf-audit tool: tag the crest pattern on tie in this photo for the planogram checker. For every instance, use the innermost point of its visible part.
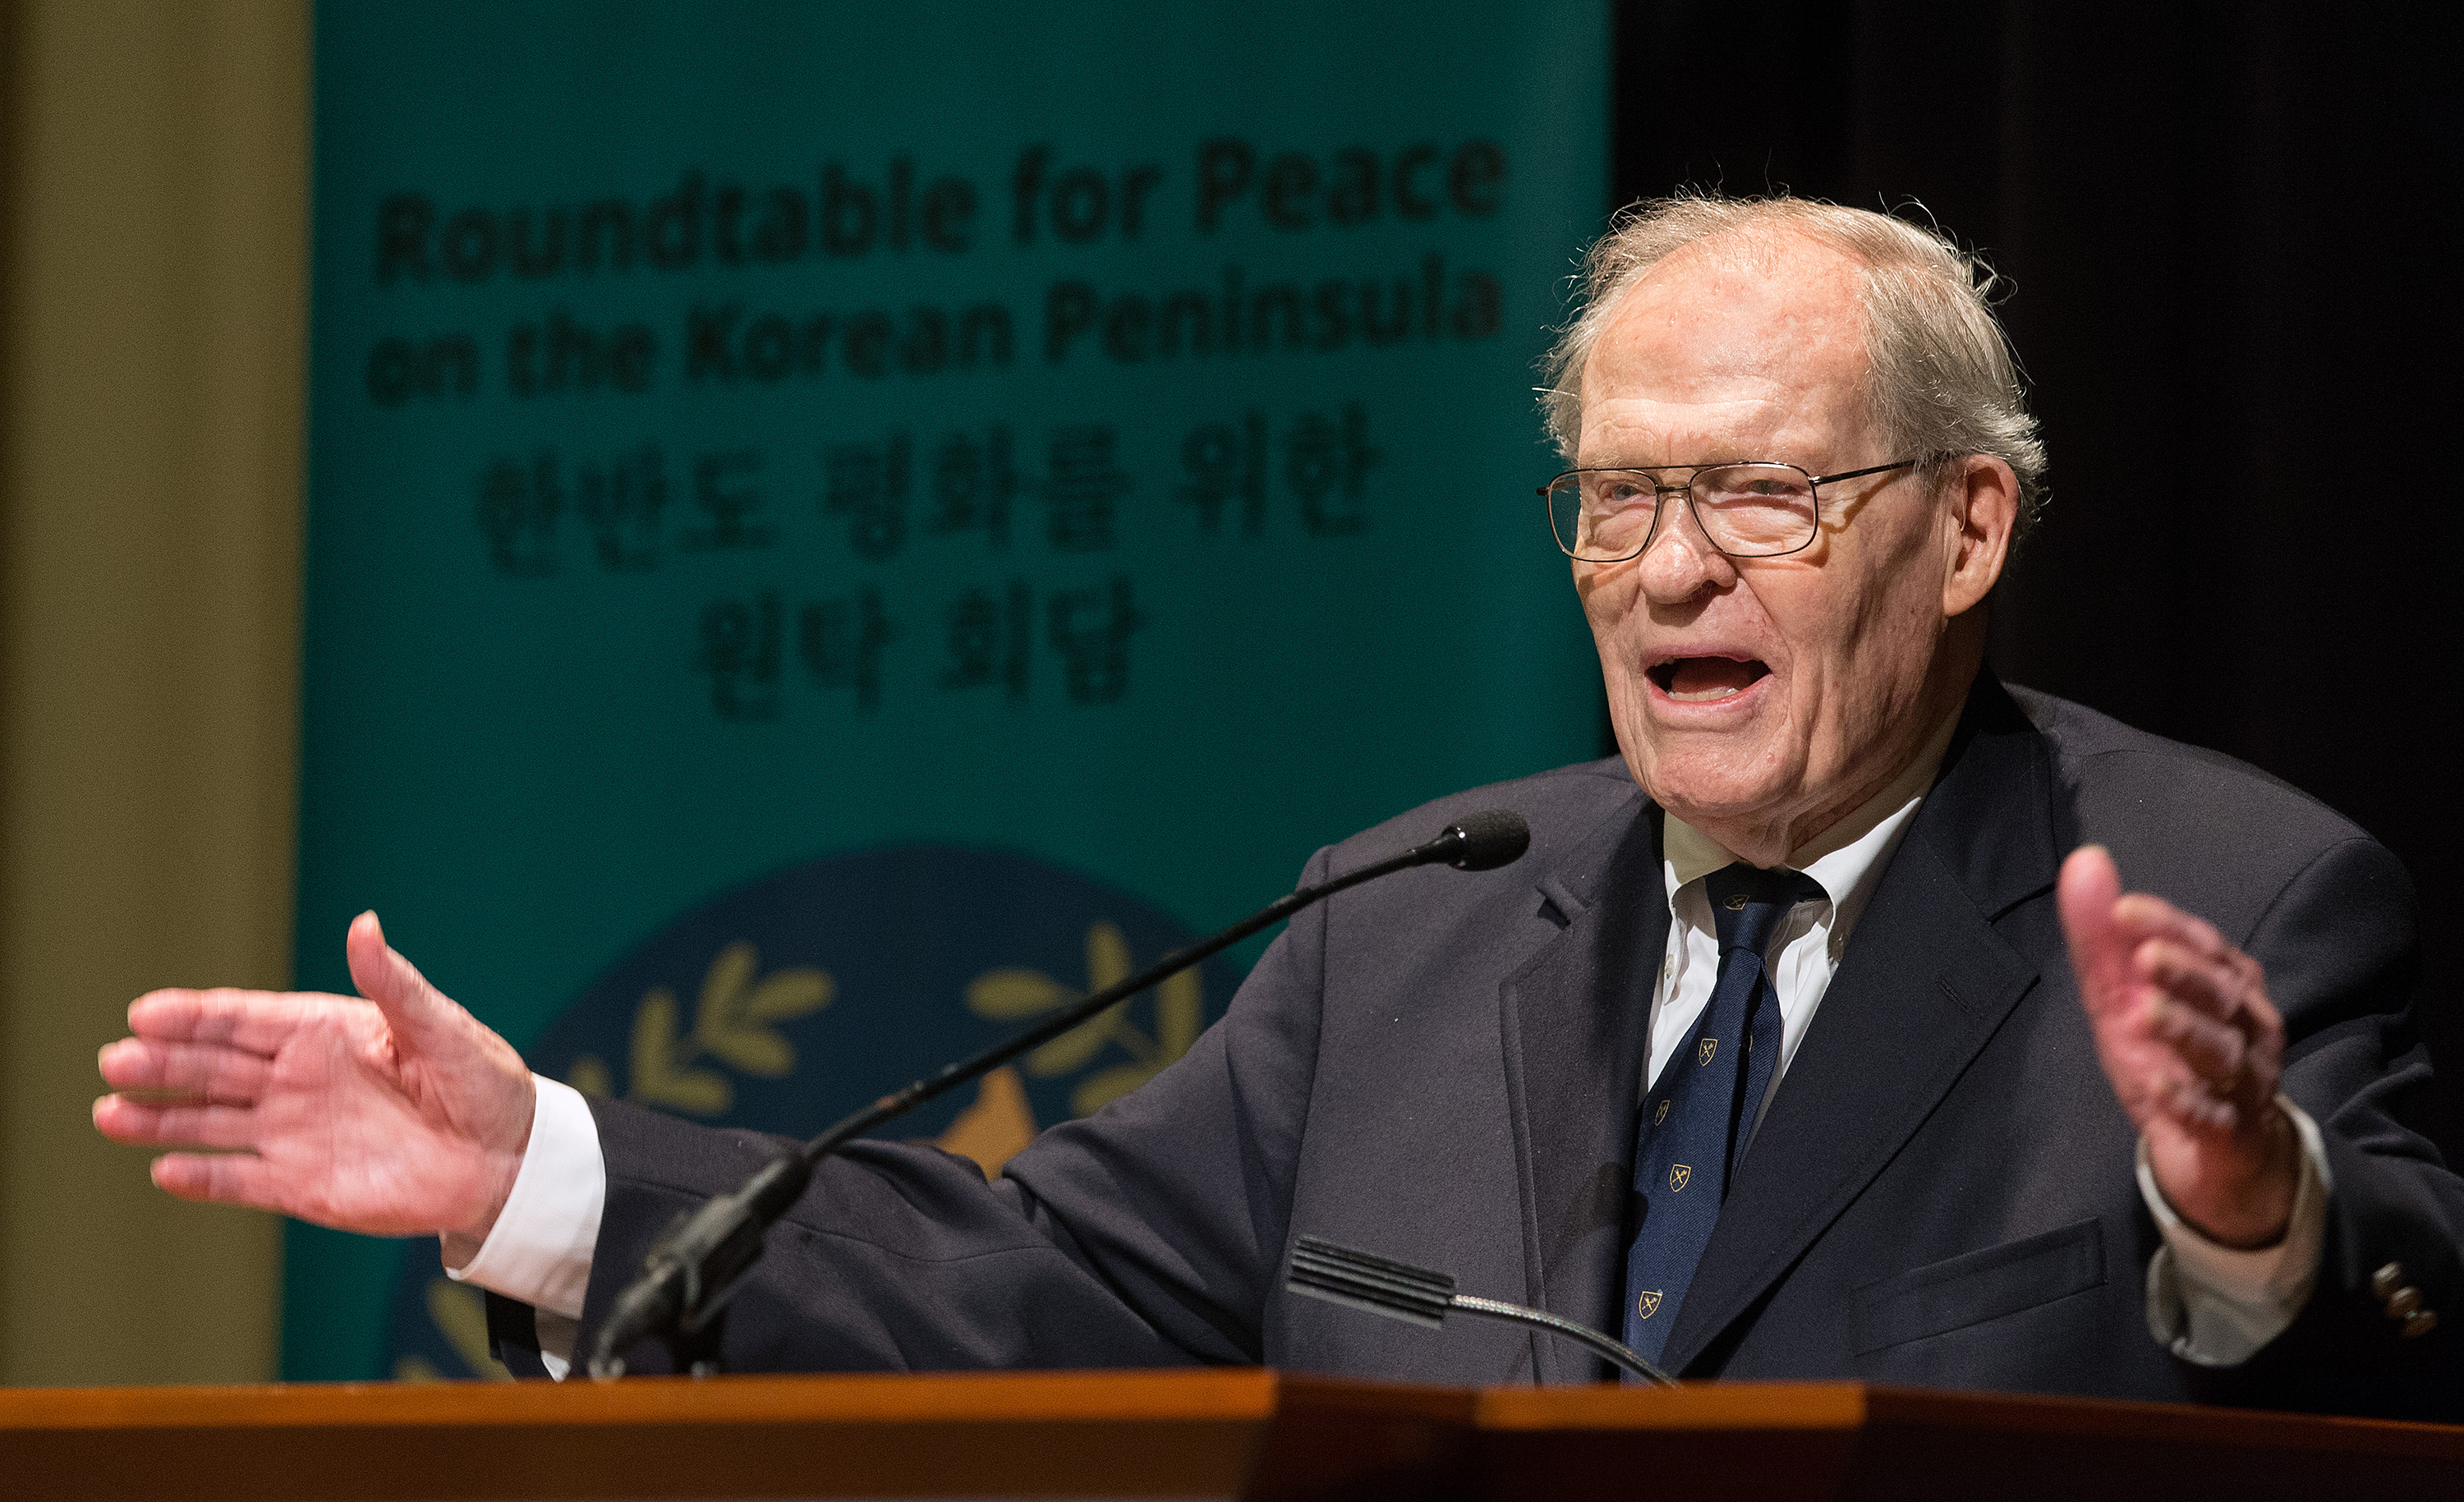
(1694, 1123)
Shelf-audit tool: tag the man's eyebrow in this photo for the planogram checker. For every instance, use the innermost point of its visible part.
(1689, 463)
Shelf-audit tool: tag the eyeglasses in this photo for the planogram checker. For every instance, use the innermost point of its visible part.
(1749, 510)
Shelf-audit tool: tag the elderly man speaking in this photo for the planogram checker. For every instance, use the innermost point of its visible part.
(1796, 1048)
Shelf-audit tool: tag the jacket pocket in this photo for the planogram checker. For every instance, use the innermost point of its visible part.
(1977, 1286)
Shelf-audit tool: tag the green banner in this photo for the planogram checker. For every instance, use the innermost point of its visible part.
(832, 528)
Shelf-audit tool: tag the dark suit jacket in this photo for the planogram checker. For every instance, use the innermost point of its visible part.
(1444, 1067)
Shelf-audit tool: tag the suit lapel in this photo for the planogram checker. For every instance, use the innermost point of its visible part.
(1574, 1020)
(1924, 982)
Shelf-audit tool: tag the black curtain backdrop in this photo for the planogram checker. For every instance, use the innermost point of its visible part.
(2233, 235)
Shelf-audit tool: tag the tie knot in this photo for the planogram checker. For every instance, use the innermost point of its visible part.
(1749, 902)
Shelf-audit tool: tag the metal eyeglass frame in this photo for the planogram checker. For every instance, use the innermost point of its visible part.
(1813, 486)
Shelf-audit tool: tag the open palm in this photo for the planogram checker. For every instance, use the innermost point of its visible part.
(2193, 1046)
(395, 1114)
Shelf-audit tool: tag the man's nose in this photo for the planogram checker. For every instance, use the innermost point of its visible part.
(1679, 561)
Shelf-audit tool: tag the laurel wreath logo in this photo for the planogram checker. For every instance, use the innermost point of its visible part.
(734, 1029)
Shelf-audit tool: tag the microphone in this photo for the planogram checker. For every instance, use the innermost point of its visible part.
(691, 1270)
(1417, 1295)
(1481, 842)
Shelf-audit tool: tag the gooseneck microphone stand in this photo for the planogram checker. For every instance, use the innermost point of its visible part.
(693, 1268)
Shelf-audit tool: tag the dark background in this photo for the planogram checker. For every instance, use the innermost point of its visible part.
(2232, 234)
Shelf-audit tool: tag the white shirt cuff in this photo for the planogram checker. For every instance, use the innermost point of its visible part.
(539, 1251)
(2216, 1306)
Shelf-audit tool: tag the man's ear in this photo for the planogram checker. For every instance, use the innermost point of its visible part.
(1980, 511)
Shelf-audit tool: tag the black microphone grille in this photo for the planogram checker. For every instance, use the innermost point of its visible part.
(1487, 841)
(1339, 1274)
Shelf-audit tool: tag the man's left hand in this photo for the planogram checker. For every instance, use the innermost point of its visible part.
(2193, 1048)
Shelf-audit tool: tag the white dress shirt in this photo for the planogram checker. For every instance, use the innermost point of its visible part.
(2209, 1303)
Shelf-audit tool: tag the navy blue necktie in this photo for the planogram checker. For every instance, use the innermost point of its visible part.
(1700, 1111)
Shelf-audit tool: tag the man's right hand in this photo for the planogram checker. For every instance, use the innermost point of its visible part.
(400, 1114)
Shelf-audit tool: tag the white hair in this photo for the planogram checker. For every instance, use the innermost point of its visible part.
(1943, 380)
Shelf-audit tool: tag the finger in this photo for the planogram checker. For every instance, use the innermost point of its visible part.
(209, 1070)
(2231, 989)
(2195, 980)
(2264, 1024)
(2217, 1054)
(414, 1008)
(2142, 1044)
(2099, 950)
(150, 1124)
(2146, 917)
(241, 1178)
(2207, 1076)
(256, 1020)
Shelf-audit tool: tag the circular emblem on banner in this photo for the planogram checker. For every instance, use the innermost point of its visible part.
(793, 999)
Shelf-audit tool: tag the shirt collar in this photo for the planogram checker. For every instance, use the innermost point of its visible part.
(1844, 859)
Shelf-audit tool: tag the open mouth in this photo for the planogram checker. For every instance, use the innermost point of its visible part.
(1706, 680)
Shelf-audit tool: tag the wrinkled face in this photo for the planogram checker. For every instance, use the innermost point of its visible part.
(1761, 693)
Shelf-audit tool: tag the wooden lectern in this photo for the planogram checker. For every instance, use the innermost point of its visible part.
(1223, 1433)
